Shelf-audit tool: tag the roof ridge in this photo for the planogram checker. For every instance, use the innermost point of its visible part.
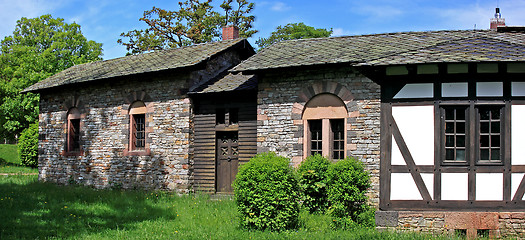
(158, 51)
(132, 64)
(475, 35)
(385, 34)
(418, 49)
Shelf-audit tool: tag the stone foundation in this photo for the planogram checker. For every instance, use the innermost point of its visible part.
(470, 224)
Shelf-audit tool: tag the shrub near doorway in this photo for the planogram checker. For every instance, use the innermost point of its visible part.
(267, 193)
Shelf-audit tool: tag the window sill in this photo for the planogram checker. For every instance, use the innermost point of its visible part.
(72, 153)
(145, 152)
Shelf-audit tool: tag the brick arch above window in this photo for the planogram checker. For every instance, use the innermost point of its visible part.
(138, 107)
(73, 102)
(137, 96)
(334, 88)
(324, 105)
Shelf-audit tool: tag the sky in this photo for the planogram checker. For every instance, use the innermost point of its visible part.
(104, 20)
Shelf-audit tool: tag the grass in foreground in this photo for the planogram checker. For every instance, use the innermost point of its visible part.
(9, 161)
(31, 209)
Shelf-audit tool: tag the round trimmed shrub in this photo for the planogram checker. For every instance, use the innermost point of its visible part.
(347, 183)
(28, 146)
(312, 181)
(266, 193)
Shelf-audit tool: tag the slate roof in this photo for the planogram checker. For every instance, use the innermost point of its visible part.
(135, 64)
(228, 82)
(392, 49)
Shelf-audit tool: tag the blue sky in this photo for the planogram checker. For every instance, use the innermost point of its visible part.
(104, 20)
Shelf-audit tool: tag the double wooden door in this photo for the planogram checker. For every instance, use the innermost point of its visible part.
(227, 160)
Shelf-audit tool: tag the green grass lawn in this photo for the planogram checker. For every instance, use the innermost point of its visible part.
(32, 209)
(9, 161)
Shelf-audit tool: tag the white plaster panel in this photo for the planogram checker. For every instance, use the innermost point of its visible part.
(397, 158)
(459, 89)
(428, 179)
(416, 90)
(517, 135)
(403, 187)
(489, 186)
(518, 88)
(454, 186)
(515, 180)
(489, 89)
(416, 124)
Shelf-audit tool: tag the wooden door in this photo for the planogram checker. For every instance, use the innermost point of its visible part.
(227, 160)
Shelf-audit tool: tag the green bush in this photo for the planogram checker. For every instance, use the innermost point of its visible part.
(28, 146)
(267, 193)
(347, 183)
(312, 182)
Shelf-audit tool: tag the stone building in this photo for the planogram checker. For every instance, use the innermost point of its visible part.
(435, 117)
(128, 122)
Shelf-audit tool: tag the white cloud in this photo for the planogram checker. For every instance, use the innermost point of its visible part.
(340, 32)
(280, 7)
(11, 11)
(479, 16)
(380, 13)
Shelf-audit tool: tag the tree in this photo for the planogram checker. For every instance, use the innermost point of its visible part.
(39, 48)
(293, 31)
(195, 22)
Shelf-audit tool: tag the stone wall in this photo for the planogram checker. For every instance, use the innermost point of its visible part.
(281, 100)
(104, 135)
(471, 224)
(105, 159)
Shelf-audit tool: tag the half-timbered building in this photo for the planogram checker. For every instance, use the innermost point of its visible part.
(436, 117)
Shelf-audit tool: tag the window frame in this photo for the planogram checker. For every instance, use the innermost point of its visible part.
(327, 138)
(340, 139)
(138, 143)
(323, 109)
(137, 110)
(73, 143)
(472, 132)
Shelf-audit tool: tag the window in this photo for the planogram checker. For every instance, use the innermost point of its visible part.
(226, 116)
(489, 131)
(337, 139)
(324, 118)
(455, 134)
(137, 126)
(486, 127)
(139, 133)
(73, 130)
(316, 136)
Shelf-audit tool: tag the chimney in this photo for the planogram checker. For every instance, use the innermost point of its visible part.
(230, 32)
(497, 21)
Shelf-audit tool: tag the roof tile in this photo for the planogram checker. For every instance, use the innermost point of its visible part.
(135, 64)
(392, 48)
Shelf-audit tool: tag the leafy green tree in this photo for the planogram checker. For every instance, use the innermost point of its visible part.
(39, 48)
(28, 146)
(292, 31)
(194, 22)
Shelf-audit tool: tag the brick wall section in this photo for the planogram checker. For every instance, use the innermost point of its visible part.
(281, 100)
(104, 133)
(498, 224)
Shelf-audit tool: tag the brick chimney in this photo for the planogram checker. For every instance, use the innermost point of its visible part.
(497, 21)
(230, 32)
